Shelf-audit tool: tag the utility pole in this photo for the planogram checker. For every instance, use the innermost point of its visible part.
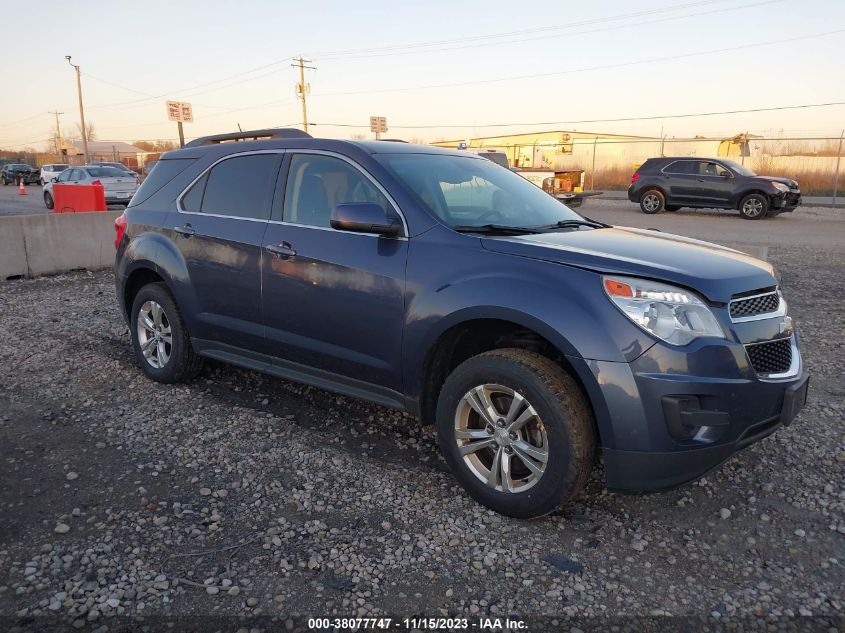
(81, 110)
(836, 177)
(302, 88)
(58, 134)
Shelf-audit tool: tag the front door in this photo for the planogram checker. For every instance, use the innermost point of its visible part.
(333, 300)
(714, 187)
(219, 229)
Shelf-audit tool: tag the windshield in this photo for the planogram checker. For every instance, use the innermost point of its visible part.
(737, 168)
(465, 191)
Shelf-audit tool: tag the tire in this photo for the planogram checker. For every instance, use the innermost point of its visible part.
(652, 201)
(48, 199)
(672, 207)
(172, 360)
(561, 431)
(754, 207)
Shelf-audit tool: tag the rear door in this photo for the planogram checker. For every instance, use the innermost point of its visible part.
(681, 180)
(219, 226)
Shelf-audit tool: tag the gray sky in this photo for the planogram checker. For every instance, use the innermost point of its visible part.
(434, 64)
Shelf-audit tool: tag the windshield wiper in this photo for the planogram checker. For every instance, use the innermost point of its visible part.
(496, 229)
(571, 224)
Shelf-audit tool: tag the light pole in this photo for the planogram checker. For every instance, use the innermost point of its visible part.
(81, 110)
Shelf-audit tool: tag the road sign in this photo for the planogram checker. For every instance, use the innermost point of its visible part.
(180, 111)
(378, 124)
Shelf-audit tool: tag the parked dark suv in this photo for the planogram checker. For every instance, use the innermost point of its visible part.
(672, 183)
(438, 283)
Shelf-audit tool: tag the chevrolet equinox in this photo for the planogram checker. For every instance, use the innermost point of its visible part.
(438, 283)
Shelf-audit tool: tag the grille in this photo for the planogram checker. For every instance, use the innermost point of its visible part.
(772, 357)
(760, 304)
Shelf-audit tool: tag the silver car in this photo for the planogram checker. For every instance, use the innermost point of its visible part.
(119, 185)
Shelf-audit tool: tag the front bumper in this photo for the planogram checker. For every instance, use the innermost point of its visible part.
(671, 416)
(642, 471)
(786, 202)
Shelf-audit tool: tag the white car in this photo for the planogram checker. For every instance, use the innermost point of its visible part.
(51, 172)
(119, 185)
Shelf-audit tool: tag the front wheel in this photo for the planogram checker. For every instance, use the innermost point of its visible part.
(48, 199)
(754, 207)
(516, 431)
(160, 339)
(652, 201)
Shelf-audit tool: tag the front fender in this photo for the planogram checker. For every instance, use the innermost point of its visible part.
(565, 305)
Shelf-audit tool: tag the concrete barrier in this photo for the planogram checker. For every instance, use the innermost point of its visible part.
(39, 244)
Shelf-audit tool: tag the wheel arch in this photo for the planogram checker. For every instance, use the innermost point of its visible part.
(469, 335)
(742, 196)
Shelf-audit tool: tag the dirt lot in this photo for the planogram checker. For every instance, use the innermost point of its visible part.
(243, 495)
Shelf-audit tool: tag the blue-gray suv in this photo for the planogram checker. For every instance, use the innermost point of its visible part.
(442, 284)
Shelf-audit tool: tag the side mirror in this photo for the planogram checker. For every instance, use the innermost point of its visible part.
(725, 174)
(364, 217)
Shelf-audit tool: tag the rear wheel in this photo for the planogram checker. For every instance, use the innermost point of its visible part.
(160, 339)
(516, 431)
(754, 207)
(652, 201)
(48, 199)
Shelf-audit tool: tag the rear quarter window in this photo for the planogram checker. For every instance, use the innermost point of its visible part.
(162, 173)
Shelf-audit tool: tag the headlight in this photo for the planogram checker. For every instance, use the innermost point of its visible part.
(781, 187)
(672, 314)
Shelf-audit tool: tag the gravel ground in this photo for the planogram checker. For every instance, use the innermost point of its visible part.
(244, 495)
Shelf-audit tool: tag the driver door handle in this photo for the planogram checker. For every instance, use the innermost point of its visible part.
(282, 251)
(185, 231)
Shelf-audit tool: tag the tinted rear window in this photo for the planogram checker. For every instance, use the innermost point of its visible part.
(242, 186)
(162, 173)
(106, 172)
(682, 167)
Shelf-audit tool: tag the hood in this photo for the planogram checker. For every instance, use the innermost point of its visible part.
(792, 184)
(715, 271)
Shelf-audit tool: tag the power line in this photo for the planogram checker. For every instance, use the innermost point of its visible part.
(616, 120)
(557, 27)
(585, 69)
(556, 35)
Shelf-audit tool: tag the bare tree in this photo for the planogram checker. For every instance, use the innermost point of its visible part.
(417, 140)
(359, 137)
(155, 146)
(90, 132)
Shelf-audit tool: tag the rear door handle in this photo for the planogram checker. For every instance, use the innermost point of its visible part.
(283, 250)
(186, 231)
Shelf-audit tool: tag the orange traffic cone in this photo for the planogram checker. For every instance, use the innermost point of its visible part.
(21, 190)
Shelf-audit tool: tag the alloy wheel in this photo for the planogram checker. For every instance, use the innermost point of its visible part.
(651, 202)
(501, 438)
(752, 207)
(154, 335)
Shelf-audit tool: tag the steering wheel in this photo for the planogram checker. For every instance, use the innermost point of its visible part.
(493, 214)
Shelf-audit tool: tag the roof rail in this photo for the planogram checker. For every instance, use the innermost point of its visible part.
(393, 140)
(249, 135)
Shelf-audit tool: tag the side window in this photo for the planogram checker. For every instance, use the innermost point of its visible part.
(709, 169)
(682, 167)
(76, 174)
(64, 176)
(242, 186)
(192, 201)
(316, 184)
